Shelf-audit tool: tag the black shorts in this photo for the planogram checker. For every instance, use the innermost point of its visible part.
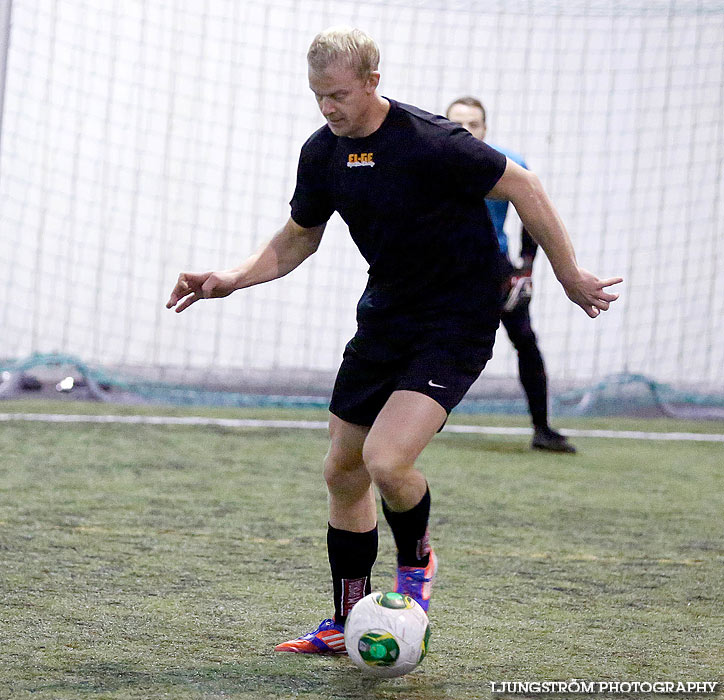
(443, 369)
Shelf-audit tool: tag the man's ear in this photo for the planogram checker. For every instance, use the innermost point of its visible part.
(372, 81)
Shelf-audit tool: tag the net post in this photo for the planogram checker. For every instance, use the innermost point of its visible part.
(5, 14)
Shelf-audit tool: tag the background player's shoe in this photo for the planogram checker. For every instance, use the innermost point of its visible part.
(328, 638)
(550, 440)
(417, 582)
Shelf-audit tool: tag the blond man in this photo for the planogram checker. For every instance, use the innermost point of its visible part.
(410, 187)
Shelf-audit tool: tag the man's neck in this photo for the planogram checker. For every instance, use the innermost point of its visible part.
(377, 115)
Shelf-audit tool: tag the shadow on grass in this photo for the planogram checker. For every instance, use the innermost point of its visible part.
(324, 677)
(484, 443)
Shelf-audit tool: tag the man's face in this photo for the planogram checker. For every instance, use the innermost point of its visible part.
(344, 98)
(470, 118)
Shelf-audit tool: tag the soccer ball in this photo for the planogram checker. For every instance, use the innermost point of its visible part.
(387, 634)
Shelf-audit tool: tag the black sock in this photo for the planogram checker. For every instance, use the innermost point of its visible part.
(409, 529)
(351, 557)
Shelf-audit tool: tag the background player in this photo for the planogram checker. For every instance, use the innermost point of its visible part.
(515, 317)
(410, 187)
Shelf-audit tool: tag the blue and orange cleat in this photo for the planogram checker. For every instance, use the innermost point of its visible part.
(328, 639)
(417, 582)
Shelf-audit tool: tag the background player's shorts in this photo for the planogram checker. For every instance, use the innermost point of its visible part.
(443, 370)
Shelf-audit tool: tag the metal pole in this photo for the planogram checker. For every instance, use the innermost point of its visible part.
(5, 11)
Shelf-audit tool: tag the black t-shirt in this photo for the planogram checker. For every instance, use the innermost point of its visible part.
(413, 196)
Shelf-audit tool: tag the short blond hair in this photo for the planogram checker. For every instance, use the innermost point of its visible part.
(352, 46)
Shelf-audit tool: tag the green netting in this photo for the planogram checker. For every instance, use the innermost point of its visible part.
(615, 395)
(108, 386)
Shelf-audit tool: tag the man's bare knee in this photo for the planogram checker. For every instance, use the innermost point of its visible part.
(387, 468)
(344, 472)
(392, 469)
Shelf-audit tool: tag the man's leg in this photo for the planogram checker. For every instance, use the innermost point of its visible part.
(406, 424)
(352, 530)
(531, 369)
(351, 496)
(533, 377)
(351, 535)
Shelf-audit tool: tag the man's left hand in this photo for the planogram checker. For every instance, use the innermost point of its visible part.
(586, 290)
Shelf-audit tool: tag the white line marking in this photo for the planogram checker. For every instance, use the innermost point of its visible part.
(622, 434)
(164, 420)
(322, 425)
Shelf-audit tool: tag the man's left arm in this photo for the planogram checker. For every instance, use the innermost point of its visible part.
(523, 189)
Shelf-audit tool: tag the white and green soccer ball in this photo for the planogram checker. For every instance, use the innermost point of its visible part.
(387, 634)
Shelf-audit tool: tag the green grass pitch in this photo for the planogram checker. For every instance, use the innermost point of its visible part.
(167, 561)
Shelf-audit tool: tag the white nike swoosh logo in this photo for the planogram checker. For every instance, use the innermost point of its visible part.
(437, 386)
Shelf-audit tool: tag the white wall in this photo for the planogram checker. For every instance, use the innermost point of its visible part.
(140, 139)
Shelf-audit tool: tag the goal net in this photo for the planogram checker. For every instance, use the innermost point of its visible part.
(140, 139)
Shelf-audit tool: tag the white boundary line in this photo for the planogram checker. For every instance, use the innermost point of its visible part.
(322, 425)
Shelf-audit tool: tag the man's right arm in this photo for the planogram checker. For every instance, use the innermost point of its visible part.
(291, 246)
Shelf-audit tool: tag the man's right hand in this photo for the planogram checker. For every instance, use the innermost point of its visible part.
(192, 286)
